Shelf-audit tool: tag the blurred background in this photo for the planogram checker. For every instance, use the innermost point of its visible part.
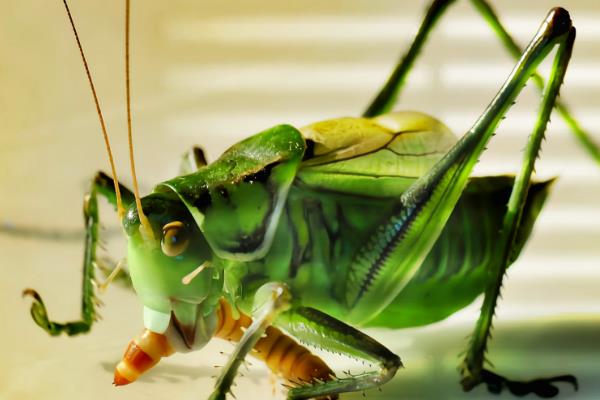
(211, 73)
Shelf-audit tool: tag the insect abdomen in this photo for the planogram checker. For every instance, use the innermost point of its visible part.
(378, 157)
(141, 354)
(289, 359)
(283, 355)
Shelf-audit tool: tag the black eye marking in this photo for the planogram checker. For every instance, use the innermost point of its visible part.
(203, 200)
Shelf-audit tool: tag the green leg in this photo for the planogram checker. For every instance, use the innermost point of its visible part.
(385, 99)
(319, 329)
(473, 370)
(103, 185)
(396, 249)
(269, 301)
(515, 50)
(272, 304)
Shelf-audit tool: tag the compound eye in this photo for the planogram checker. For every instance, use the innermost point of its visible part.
(175, 239)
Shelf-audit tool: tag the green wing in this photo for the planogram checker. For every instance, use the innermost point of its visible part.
(380, 157)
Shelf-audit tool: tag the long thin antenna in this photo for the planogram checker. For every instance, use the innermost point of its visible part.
(120, 209)
(145, 224)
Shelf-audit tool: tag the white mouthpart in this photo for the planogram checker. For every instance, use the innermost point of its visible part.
(188, 278)
(156, 321)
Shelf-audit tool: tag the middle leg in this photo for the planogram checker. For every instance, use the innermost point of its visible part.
(101, 185)
(309, 376)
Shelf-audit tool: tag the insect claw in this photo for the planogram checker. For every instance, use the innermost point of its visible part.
(32, 293)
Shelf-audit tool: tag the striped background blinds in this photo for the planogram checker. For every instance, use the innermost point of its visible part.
(211, 73)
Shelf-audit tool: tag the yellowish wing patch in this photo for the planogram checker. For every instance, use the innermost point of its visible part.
(342, 138)
(382, 155)
(407, 133)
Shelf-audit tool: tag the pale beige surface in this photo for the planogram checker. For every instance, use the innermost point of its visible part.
(212, 73)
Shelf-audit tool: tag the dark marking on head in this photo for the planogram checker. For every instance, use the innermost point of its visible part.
(309, 151)
(249, 243)
(262, 175)
(203, 200)
(187, 333)
(224, 193)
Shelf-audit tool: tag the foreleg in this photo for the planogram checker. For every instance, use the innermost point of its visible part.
(101, 185)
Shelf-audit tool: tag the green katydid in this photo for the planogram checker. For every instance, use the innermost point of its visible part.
(342, 224)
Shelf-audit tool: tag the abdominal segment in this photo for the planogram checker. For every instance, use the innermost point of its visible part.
(141, 354)
(283, 355)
